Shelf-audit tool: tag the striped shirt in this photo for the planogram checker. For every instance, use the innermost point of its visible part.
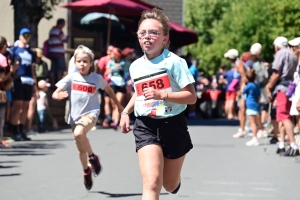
(56, 41)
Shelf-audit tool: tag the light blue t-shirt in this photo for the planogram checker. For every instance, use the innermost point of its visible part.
(117, 77)
(167, 72)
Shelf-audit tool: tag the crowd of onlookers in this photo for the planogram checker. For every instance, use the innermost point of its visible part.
(263, 96)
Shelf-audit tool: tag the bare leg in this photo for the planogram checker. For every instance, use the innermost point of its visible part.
(242, 117)
(288, 126)
(172, 170)
(151, 163)
(16, 112)
(23, 115)
(252, 119)
(31, 111)
(80, 137)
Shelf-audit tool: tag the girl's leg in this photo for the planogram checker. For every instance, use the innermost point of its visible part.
(172, 169)
(151, 163)
(82, 155)
(31, 111)
(252, 119)
(258, 121)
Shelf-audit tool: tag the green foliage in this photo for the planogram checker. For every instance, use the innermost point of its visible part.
(223, 25)
(48, 6)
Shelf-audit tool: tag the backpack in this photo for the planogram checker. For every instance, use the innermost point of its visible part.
(46, 49)
(262, 74)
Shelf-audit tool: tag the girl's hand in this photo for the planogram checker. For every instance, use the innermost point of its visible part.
(150, 93)
(62, 95)
(125, 123)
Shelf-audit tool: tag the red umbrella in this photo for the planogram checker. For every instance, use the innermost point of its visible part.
(181, 36)
(117, 7)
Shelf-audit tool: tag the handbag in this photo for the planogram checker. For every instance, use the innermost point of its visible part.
(291, 90)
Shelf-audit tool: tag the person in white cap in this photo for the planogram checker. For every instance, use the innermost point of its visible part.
(284, 66)
(239, 79)
(295, 88)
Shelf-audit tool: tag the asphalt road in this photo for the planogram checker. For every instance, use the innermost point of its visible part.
(217, 168)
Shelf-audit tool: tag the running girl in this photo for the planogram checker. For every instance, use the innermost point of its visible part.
(84, 103)
(163, 87)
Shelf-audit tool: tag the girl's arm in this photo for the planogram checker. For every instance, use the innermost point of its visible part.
(125, 120)
(187, 95)
(60, 94)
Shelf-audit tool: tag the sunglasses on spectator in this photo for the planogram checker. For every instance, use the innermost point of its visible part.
(26, 35)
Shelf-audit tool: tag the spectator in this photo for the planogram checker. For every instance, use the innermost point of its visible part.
(106, 106)
(115, 71)
(23, 84)
(194, 71)
(43, 106)
(41, 67)
(237, 84)
(57, 52)
(284, 66)
(5, 100)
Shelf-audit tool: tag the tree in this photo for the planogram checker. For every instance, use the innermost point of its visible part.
(244, 23)
(28, 13)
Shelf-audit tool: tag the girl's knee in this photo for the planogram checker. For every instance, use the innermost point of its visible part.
(152, 183)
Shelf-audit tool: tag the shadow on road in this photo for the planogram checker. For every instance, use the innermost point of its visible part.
(5, 175)
(212, 122)
(111, 195)
(35, 145)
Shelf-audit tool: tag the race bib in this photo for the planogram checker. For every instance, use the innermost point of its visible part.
(159, 81)
(153, 108)
(83, 88)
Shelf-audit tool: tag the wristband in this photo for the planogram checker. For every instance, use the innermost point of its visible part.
(124, 113)
(166, 97)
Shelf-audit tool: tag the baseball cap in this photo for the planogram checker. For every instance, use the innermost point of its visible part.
(255, 49)
(127, 51)
(281, 42)
(249, 63)
(42, 84)
(231, 54)
(24, 30)
(3, 61)
(295, 42)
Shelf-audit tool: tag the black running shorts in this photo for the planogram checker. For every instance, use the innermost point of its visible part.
(21, 92)
(170, 133)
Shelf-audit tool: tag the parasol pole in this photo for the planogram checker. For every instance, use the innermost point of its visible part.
(109, 26)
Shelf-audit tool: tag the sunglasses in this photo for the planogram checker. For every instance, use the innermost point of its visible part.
(26, 35)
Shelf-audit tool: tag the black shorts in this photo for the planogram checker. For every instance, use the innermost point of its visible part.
(117, 89)
(264, 107)
(170, 133)
(21, 92)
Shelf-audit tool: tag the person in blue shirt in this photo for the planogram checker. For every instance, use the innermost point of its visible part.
(194, 71)
(252, 92)
(24, 82)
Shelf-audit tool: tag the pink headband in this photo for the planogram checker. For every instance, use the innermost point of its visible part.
(115, 51)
